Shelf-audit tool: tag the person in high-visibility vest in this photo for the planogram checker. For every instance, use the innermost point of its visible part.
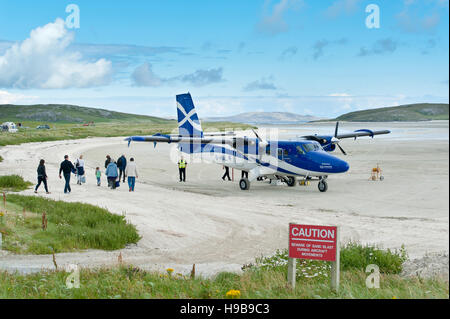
(182, 169)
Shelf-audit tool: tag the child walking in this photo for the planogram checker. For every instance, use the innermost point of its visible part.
(98, 174)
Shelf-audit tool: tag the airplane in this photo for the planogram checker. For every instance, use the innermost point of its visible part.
(306, 158)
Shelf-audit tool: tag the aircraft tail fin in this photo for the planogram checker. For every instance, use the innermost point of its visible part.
(188, 122)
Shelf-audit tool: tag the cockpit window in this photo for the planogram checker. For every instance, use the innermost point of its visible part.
(309, 147)
(300, 150)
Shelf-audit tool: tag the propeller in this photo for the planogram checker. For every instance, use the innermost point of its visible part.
(335, 139)
(262, 142)
(262, 145)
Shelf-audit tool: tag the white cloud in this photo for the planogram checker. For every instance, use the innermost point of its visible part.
(10, 98)
(43, 61)
(340, 95)
(143, 75)
(340, 7)
(274, 23)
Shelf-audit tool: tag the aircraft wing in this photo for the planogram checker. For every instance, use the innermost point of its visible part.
(160, 138)
(364, 132)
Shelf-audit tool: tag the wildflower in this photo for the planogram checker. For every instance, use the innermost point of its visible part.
(233, 294)
(169, 271)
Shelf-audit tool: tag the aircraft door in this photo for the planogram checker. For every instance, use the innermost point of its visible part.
(280, 153)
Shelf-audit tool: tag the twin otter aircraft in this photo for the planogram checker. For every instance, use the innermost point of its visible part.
(306, 158)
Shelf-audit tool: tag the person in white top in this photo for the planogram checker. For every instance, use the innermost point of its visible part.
(79, 164)
(132, 173)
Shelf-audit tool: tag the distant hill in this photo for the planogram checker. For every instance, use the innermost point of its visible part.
(264, 118)
(60, 113)
(403, 113)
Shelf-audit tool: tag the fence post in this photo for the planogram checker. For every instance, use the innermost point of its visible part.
(335, 265)
(292, 269)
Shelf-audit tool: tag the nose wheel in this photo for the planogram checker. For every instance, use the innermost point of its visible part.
(244, 184)
(323, 186)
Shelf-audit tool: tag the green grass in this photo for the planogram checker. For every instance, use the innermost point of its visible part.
(130, 282)
(64, 131)
(266, 278)
(70, 227)
(61, 113)
(353, 257)
(13, 183)
(1, 159)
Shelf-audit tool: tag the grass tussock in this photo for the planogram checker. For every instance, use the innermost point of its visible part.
(70, 227)
(13, 183)
(131, 282)
(353, 257)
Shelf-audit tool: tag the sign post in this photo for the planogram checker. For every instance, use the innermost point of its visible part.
(314, 242)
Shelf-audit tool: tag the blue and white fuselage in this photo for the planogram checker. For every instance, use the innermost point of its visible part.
(275, 159)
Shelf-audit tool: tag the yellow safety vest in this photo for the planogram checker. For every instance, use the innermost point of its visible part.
(182, 164)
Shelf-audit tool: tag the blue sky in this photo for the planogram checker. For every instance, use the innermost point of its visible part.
(302, 56)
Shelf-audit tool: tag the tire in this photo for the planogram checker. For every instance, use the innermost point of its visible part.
(290, 181)
(244, 184)
(323, 186)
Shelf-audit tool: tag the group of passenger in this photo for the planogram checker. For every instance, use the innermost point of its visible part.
(115, 171)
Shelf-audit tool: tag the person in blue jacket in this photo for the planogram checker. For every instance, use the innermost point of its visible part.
(111, 173)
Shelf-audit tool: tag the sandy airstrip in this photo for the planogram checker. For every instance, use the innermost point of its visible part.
(219, 227)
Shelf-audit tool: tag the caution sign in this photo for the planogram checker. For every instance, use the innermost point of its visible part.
(313, 242)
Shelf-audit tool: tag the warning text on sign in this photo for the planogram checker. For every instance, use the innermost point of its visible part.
(312, 242)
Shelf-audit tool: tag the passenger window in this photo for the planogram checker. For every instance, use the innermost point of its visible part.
(286, 153)
(268, 150)
(280, 151)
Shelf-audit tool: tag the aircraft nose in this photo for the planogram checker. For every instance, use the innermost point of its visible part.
(344, 166)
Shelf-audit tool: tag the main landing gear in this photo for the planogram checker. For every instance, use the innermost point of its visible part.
(244, 184)
(290, 181)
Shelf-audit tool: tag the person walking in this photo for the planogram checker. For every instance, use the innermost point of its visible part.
(182, 169)
(227, 173)
(122, 164)
(98, 175)
(108, 160)
(67, 168)
(132, 173)
(80, 170)
(244, 174)
(42, 176)
(111, 173)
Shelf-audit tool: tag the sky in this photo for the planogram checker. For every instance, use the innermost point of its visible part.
(321, 58)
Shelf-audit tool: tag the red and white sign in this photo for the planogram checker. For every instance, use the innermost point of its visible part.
(312, 242)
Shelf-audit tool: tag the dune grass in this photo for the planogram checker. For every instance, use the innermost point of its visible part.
(126, 281)
(13, 183)
(266, 278)
(70, 226)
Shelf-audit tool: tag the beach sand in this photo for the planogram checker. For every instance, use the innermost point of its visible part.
(218, 227)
